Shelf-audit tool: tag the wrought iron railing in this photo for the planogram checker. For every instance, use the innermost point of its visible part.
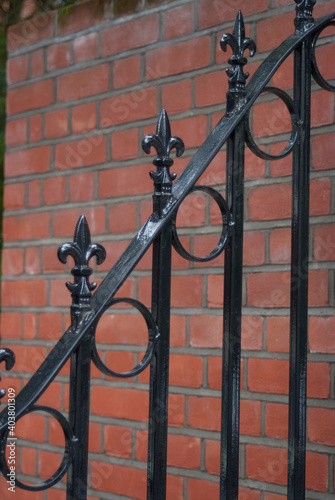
(78, 342)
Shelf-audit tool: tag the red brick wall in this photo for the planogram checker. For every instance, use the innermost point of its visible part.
(83, 90)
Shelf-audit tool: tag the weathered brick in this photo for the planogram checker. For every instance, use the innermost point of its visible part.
(321, 334)
(130, 35)
(320, 195)
(56, 123)
(30, 31)
(186, 370)
(64, 221)
(81, 153)
(122, 218)
(117, 441)
(276, 420)
(253, 249)
(270, 202)
(264, 463)
(58, 56)
(17, 69)
(29, 326)
(85, 47)
(23, 293)
(83, 118)
(124, 144)
(32, 260)
(125, 181)
(204, 413)
(14, 196)
(323, 148)
(273, 30)
(213, 12)
(177, 96)
(277, 334)
(26, 227)
(192, 131)
(50, 261)
(16, 132)
(210, 89)
(35, 128)
(32, 96)
(27, 161)
(54, 190)
(167, 61)
(268, 375)
(37, 63)
(198, 489)
(320, 425)
(272, 289)
(81, 16)
(280, 245)
(11, 324)
(126, 72)
(77, 85)
(178, 21)
(34, 193)
(82, 187)
(324, 243)
(12, 261)
(50, 326)
(129, 107)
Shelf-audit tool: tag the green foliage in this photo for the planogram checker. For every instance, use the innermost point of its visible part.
(10, 12)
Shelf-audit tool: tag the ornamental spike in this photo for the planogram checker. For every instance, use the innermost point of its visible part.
(81, 250)
(163, 143)
(304, 14)
(239, 43)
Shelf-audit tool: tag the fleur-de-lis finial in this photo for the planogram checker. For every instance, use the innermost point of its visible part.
(163, 143)
(239, 44)
(8, 357)
(304, 17)
(82, 251)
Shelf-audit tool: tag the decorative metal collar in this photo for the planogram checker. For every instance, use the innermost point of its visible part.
(238, 43)
(304, 17)
(82, 251)
(163, 143)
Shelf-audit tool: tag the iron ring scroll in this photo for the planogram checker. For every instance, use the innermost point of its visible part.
(153, 337)
(315, 69)
(225, 233)
(294, 133)
(67, 457)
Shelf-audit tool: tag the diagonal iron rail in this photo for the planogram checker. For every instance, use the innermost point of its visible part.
(87, 310)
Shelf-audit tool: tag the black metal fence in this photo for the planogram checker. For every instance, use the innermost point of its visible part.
(78, 342)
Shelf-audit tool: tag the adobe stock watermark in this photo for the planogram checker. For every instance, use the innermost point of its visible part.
(29, 32)
(11, 441)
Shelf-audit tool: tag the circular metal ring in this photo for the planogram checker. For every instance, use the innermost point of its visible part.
(294, 133)
(225, 233)
(153, 336)
(67, 457)
(315, 69)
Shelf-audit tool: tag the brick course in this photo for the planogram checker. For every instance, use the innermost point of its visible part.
(83, 90)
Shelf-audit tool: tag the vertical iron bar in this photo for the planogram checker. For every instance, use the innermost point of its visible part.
(81, 251)
(232, 307)
(80, 373)
(299, 277)
(231, 358)
(161, 291)
(159, 370)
